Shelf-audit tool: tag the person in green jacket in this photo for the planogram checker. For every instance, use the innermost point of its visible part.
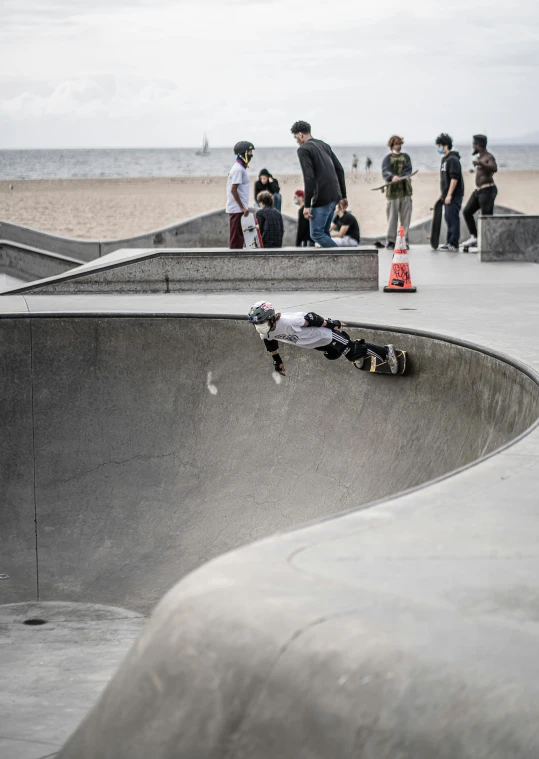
(396, 166)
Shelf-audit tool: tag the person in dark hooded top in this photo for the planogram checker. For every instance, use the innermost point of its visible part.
(266, 182)
(452, 190)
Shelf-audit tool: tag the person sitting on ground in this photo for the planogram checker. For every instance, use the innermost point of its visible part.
(345, 228)
(309, 330)
(303, 234)
(266, 182)
(270, 221)
(483, 197)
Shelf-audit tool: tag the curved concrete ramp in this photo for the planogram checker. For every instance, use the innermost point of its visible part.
(142, 447)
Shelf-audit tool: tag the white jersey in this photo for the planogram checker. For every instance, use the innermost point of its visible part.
(237, 175)
(290, 328)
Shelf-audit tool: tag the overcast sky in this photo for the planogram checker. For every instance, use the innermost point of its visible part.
(126, 73)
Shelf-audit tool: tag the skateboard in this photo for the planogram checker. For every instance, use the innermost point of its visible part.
(468, 248)
(383, 187)
(436, 224)
(251, 232)
(371, 364)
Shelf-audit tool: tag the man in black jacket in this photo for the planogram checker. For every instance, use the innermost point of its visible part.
(325, 186)
(452, 189)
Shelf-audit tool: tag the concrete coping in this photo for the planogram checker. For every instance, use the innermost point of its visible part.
(46, 253)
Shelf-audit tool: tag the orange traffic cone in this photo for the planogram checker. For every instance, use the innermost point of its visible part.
(400, 280)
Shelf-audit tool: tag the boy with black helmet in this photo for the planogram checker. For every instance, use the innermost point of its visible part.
(309, 330)
(238, 187)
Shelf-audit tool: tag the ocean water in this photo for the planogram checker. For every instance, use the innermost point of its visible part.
(183, 162)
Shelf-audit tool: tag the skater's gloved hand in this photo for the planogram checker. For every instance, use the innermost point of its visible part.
(278, 364)
(335, 324)
(307, 213)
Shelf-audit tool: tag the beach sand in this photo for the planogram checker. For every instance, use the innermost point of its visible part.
(115, 208)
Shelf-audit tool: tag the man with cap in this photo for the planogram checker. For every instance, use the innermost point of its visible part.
(484, 195)
(237, 192)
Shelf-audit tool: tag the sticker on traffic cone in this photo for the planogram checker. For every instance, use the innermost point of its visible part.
(400, 280)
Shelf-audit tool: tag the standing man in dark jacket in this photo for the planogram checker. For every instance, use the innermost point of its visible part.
(452, 189)
(324, 181)
(483, 197)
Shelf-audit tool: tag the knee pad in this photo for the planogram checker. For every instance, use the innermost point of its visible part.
(357, 349)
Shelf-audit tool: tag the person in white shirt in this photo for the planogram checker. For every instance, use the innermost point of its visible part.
(238, 186)
(309, 330)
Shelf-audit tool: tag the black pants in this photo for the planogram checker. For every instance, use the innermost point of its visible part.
(479, 200)
(351, 349)
(452, 219)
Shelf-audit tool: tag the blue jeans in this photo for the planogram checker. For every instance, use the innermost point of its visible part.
(452, 219)
(320, 224)
(277, 201)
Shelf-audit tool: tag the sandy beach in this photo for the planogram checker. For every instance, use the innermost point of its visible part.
(113, 208)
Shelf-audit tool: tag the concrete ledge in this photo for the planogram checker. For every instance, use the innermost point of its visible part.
(219, 270)
(28, 263)
(509, 238)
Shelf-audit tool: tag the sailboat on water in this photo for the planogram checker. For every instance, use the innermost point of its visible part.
(205, 147)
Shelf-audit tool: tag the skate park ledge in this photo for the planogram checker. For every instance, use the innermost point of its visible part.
(214, 270)
(509, 238)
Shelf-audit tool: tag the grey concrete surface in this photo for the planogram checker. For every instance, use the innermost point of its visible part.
(82, 250)
(63, 663)
(28, 264)
(208, 230)
(509, 238)
(213, 270)
(408, 628)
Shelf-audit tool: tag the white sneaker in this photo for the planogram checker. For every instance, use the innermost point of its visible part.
(392, 359)
(471, 243)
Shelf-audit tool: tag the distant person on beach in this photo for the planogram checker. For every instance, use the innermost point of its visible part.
(355, 164)
(368, 164)
(324, 181)
(452, 190)
(237, 192)
(270, 221)
(483, 197)
(395, 166)
(345, 228)
(303, 234)
(266, 182)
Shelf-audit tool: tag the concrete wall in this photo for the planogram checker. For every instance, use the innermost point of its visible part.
(184, 271)
(509, 238)
(81, 250)
(420, 230)
(204, 231)
(28, 264)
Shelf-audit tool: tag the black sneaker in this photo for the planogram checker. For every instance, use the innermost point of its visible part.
(390, 246)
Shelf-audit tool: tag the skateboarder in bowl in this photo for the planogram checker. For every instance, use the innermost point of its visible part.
(309, 330)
